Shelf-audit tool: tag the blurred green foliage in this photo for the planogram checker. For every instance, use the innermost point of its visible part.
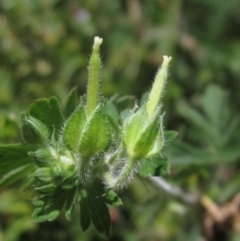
(44, 51)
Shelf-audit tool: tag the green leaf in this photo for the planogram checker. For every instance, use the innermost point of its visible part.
(100, 215)
(181, 153)
(45, 213)
(46, 189)
(49, 113)
(15, 175)
(155, 166)
(85, 211)
(71, 103)
(73, 128)
(206, 129)
(70, 203)
(99, 211)
(13, 156)
(169, 136)
(112, 198)
(214, 103)
(50, 207)
(33, 130)
(112, 114)
(93, 207)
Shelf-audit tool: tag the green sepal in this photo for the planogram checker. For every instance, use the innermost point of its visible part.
(143, 135)
(13, 156)
(43, 174)
(133, 126)
(71, 103)
(15, 175)
(150, 141)
(156, 166)
(96, 134)
(73, 128)
(112, 198)
(48, 111)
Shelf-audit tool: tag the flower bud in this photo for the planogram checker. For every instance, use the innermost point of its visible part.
(43, 174)
(33, 130)
(42, 157)
(158, 86)
(143, 135)
(87, 135)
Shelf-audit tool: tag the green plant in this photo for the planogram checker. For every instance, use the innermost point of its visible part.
(87, 151)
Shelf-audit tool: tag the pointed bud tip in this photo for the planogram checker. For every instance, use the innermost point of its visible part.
(97, 42)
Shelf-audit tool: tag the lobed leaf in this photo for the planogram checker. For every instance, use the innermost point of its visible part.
(15, 175)
(13, 156)
(112, 113)
(50, 206)
(48, 111)
(93, 208)
(85, 211)
(71, 103)
(155, 166)
(112, 198)
(70, 203)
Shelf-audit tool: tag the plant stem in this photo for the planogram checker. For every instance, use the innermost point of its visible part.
(161, 183)
(124, 176)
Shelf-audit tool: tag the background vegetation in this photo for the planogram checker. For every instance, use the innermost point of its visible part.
(44, 50)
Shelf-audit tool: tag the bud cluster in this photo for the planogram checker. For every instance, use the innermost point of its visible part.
(79, 148)
(85, 149)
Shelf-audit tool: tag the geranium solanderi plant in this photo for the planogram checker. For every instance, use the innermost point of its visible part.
(86, 152)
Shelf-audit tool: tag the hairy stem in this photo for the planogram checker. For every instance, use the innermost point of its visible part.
(123, 177)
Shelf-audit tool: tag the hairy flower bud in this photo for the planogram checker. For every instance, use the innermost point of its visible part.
(88, 135)
(143, 135)
(33, 130)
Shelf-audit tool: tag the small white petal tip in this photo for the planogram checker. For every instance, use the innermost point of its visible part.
(97, 42)
(167, 58)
